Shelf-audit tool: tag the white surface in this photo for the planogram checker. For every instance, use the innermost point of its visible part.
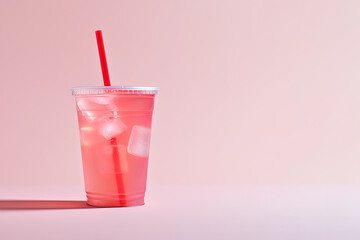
(194, 212)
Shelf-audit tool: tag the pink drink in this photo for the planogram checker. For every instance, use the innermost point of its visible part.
(115, 127)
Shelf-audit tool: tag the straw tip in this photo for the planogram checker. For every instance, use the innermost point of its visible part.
(97, 31)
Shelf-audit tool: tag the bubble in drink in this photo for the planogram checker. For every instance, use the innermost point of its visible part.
(139, 143)
(110, 128)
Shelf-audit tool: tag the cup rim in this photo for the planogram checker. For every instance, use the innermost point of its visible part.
(113, 89)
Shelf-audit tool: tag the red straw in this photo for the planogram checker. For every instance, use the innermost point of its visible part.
(113, 141)
(104, 67)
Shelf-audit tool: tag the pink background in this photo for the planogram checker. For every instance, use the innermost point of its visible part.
(251, 91)
(256, 130)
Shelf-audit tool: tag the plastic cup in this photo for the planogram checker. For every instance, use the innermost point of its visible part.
(115, 129)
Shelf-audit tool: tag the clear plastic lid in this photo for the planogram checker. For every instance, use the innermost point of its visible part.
(114, 90)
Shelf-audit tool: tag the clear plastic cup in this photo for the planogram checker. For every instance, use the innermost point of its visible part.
(115, 129)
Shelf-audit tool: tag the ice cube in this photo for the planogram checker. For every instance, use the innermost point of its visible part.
(96, 103)
(90, 106)
(83, 105)
(86, 134)
(104, 101)
(88, 115)
(139, 143)
(110, 128)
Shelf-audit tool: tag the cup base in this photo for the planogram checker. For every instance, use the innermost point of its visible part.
(99, 200)
(107, 205)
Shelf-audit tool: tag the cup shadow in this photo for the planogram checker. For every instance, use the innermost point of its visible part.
(42, 204)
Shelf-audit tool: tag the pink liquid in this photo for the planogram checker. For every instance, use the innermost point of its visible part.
(115, 141)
